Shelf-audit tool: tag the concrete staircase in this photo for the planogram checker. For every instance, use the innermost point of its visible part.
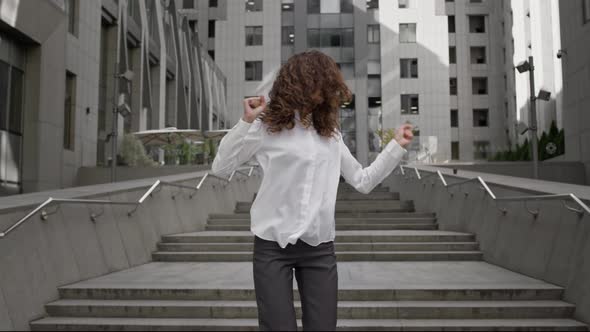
(396, 272)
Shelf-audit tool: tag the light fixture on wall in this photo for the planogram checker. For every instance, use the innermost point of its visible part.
(122, 108)
(523, 67)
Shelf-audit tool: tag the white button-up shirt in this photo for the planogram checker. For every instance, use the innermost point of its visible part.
(297, 196)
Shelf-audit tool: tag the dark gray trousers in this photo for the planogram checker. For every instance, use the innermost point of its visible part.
(317, 281)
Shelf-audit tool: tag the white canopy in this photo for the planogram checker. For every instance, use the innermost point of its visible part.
(165, 136)
(173, 135)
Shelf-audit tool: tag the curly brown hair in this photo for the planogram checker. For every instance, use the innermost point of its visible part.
(311, 83)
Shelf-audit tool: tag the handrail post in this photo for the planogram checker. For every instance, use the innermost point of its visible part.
(202, 181)
(417, 173)
(143, 198)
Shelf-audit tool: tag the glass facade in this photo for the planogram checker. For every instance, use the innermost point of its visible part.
(11, 116)
(348, 125)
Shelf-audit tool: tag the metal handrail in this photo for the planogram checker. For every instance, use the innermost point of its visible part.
(564, 197)
(148, 193)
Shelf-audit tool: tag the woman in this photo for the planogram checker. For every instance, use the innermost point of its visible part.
(297, 142)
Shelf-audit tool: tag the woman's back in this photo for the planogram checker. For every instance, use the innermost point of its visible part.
(298, 192)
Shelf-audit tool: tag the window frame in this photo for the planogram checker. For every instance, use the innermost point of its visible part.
(454, 118)
(286, 32)
(254, 36)
(408, 40)
(477, 120)
(473, 86)
(410, 98)
(374, 33)
(72, 9)
(257, 7)
(255, 77)
(585, 12)
(69, 128)
(409, 66)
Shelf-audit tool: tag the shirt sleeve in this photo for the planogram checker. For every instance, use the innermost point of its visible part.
(237, 147)
(366, 179)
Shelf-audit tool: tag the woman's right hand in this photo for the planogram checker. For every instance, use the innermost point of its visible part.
(404, 135)
(253, 107)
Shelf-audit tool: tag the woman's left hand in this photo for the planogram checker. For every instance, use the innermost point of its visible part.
(404, 135)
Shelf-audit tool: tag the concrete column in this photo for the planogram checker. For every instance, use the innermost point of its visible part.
(360, 68)
(136, 111)
(44, 98)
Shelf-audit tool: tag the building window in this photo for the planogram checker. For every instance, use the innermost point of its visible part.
(455, 151)
(454, 118)
(410, 104)
(211, 29)
(287, 6)
(211, 54)
(288, 35)
(372, 4)
(478, 55)
(453, 85)
(254, 36)
(481, 150)
(480, 85)
(313, 6)
(11, 131)
(374, 33)
(586, 10)
(407, 33)
(11, 98)
(330, 38)
(348, 124)
(329, 6)
(346, 6)
(254, 5)
(403, 4)
(452, 55)
(213, 3)
(452, 28)
(409, 68)
(253, 70)
(477, 24)
(70, 112)
(481, 118)
(72, 13)
(188, 4)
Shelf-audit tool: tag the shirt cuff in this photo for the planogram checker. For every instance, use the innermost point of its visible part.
(393, 148)
(241, 128)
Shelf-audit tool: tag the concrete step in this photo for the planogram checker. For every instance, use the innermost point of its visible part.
(194, 324)
(344, 294)
(343, 256)
(339, 227)
(358, 215)
(341, 236)
(344, 195)
(354, 206)
(403, 296)
(339, 221)
(419, 246)
(346, 309)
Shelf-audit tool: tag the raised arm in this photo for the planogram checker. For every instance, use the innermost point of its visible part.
(366, 179)
(242, 142)
(237, 147)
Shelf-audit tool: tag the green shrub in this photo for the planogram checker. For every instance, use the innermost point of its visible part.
(133, 153)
